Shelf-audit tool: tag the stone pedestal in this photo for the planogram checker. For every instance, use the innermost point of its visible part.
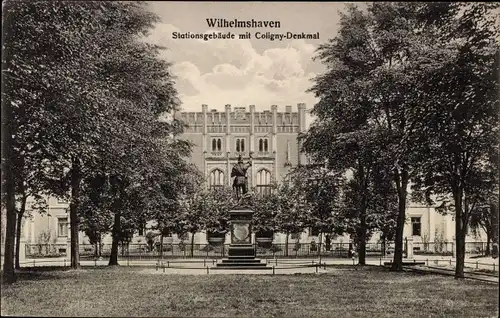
(241, 233)
(241, 250)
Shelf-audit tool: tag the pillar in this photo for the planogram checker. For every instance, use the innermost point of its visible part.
(409, 247)
(68, 242)
(22, 250)
(204, 109)
(274, 110)
(301, 107)
(228, 122)
(252, 128)
(228, 143)
(252, 143)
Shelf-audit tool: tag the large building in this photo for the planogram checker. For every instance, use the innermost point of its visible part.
(269, 137)
(219, 138)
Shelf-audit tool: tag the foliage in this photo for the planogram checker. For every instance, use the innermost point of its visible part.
(321, 189)
(176, 215)
(265, 208)
(291, 215)
(461, 102)
(399, 80)
(80, 115)
(366, 113)
(214, 206)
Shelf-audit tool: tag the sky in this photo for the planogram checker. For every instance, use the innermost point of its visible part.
(256, 72)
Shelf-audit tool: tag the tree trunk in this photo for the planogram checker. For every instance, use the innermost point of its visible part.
(397, 263)
(384, 240)
(459, 235)
(320, 242)
(362, 236)
(113, 257)
(76, 177)
(286, 243)
(362, 248)
(18, 237)
(192, 244)
(9, 275)
(161, 246)
(494, 229)
(20, 216)
(100, 246)
(487, 251)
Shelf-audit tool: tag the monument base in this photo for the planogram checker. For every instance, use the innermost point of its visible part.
(241, 251)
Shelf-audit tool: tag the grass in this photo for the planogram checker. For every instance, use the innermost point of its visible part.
(342, 292)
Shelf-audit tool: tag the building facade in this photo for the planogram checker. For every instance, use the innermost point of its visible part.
(268, 137)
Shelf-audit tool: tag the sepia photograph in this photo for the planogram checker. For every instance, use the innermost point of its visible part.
(250, 159)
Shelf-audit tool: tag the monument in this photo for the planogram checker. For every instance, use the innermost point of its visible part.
(241, 253)
(240, 181)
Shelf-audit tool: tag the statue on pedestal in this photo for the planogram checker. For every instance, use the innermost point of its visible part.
(240, 182)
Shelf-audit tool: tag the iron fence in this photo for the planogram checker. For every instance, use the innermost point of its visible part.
(179, 250)
(46, 250)
(433, 248)
(263, 250)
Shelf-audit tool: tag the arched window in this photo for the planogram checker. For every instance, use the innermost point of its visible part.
(264, 182)
(261, 145)
(216, 144)
(216, 178)
(265, 145)
(240, 144)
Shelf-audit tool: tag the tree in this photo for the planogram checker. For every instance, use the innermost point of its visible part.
(321, 189)
(462, 107)
(361, 155)
(87, 106)
(214, 205)
(95, 217)
(380, 69)
(189, 218)
(178, 214)
(292, 212)
(481, 218)
(264, 207)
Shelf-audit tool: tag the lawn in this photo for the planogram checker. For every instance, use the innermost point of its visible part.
(369, 292)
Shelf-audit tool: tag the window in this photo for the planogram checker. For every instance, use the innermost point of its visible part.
(314, 231)
(216, 178)
(23, 225)
(216, 144)
(62, 227)
(264, 182)
(416, 226)
(142, 228)
(240, 145)
(263, 145)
